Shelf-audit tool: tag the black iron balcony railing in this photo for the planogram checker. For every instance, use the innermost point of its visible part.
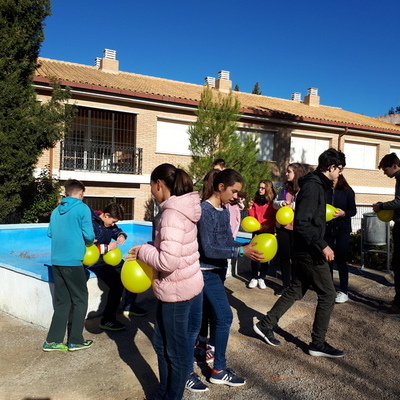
(100, 157)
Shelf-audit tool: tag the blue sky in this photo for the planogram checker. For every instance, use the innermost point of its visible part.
(349, 50)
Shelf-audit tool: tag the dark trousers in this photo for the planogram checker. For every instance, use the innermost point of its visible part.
(71, 294)
(396, 261)
(214, 292)
(319, 277)
(285, 255)
(339, 244)
(175, 331)
(258, 270)
(112, 278)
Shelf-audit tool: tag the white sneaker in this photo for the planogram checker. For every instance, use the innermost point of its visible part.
(341, 297)
(261, 284)
(253, 283)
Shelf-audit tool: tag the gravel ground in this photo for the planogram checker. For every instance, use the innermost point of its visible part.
(122, 365)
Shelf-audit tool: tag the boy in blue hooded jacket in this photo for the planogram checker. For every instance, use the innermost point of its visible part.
(70, 229)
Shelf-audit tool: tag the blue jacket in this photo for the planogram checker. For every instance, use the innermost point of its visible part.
(70, 229)
(104, 234)
(216, 242)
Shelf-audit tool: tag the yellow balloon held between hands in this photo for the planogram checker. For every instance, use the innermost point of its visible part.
(267, 244)
(250, 224)
(385, 215)
(284, 215)
(91, 256)
(136, 276)
(113, 257)
(330, 210)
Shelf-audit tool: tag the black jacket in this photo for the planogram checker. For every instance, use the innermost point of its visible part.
(345, 200)
(103, 234)
(310, 215)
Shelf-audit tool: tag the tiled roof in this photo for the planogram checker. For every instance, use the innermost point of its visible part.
(148, 86)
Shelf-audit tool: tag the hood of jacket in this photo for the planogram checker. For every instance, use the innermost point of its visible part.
(187, 204)
(317, 177)
(67, 203)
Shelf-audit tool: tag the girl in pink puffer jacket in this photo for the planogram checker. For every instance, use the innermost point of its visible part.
(178, 281)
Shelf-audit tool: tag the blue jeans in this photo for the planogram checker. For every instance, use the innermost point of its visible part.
(215, 293)
(174, 340)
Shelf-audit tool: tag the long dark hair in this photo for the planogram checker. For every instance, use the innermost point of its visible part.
(299, 171)
(228, 177)
(208, 184)
(341, 183)
(176, 179)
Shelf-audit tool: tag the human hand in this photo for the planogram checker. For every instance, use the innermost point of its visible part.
(339, 213)
(112, 245)
(121, 239)
(250, 204)
(328, 254)
(133, 252)
(376, 207)
(252, 253)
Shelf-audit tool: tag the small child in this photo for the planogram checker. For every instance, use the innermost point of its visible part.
(108, 236)
(70, 229)
(262, 209)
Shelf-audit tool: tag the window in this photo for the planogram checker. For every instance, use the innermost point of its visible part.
(360, 155)
(172, 137)
(100, 203)
(306, 150)
(396, 150)
(265, 144)
(102, 141)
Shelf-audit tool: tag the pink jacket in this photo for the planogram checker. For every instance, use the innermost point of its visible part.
(235, 216)
(174, 253)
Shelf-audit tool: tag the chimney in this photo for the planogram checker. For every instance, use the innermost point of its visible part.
(108, 63)
(296, 96)
(223, 84)
(209, 81)
(312, 98)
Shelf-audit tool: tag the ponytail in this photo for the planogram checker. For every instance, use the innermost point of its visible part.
(176, 179)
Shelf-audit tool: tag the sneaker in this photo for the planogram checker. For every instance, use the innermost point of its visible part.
(261, 284)
(394, 311)
(203, 354)
(135, 311)
(226, 377)
(85, 345)
(112, 326)
(266, 334)
(253, 283)
(194, 384)
(324, 350)
(341, 297)
(281, 291)
(54, 346)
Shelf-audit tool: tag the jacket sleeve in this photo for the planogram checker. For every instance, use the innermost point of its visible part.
(87, 225)
(210, 245)
(305, 223)
(351, 208)
(118, 231)
(171, 238)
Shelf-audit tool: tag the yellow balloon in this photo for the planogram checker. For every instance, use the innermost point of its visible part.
(285, 215)
(266, 243)
(330, 210)
(136, 276)
(92, 255)
(385, 215)
(113, 257)
(250, 224)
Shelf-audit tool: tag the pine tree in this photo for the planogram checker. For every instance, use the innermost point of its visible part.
(215, 135)
(256, 89)
(26, 126)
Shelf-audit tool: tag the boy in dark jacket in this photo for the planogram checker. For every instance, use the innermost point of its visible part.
(312, 255)
(108, 236)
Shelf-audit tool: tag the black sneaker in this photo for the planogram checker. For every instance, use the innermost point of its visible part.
(112, 326)
(324, 350)
(281, 291)
(394, 311)
(136, 311)
(194, 384)
(266, 334)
